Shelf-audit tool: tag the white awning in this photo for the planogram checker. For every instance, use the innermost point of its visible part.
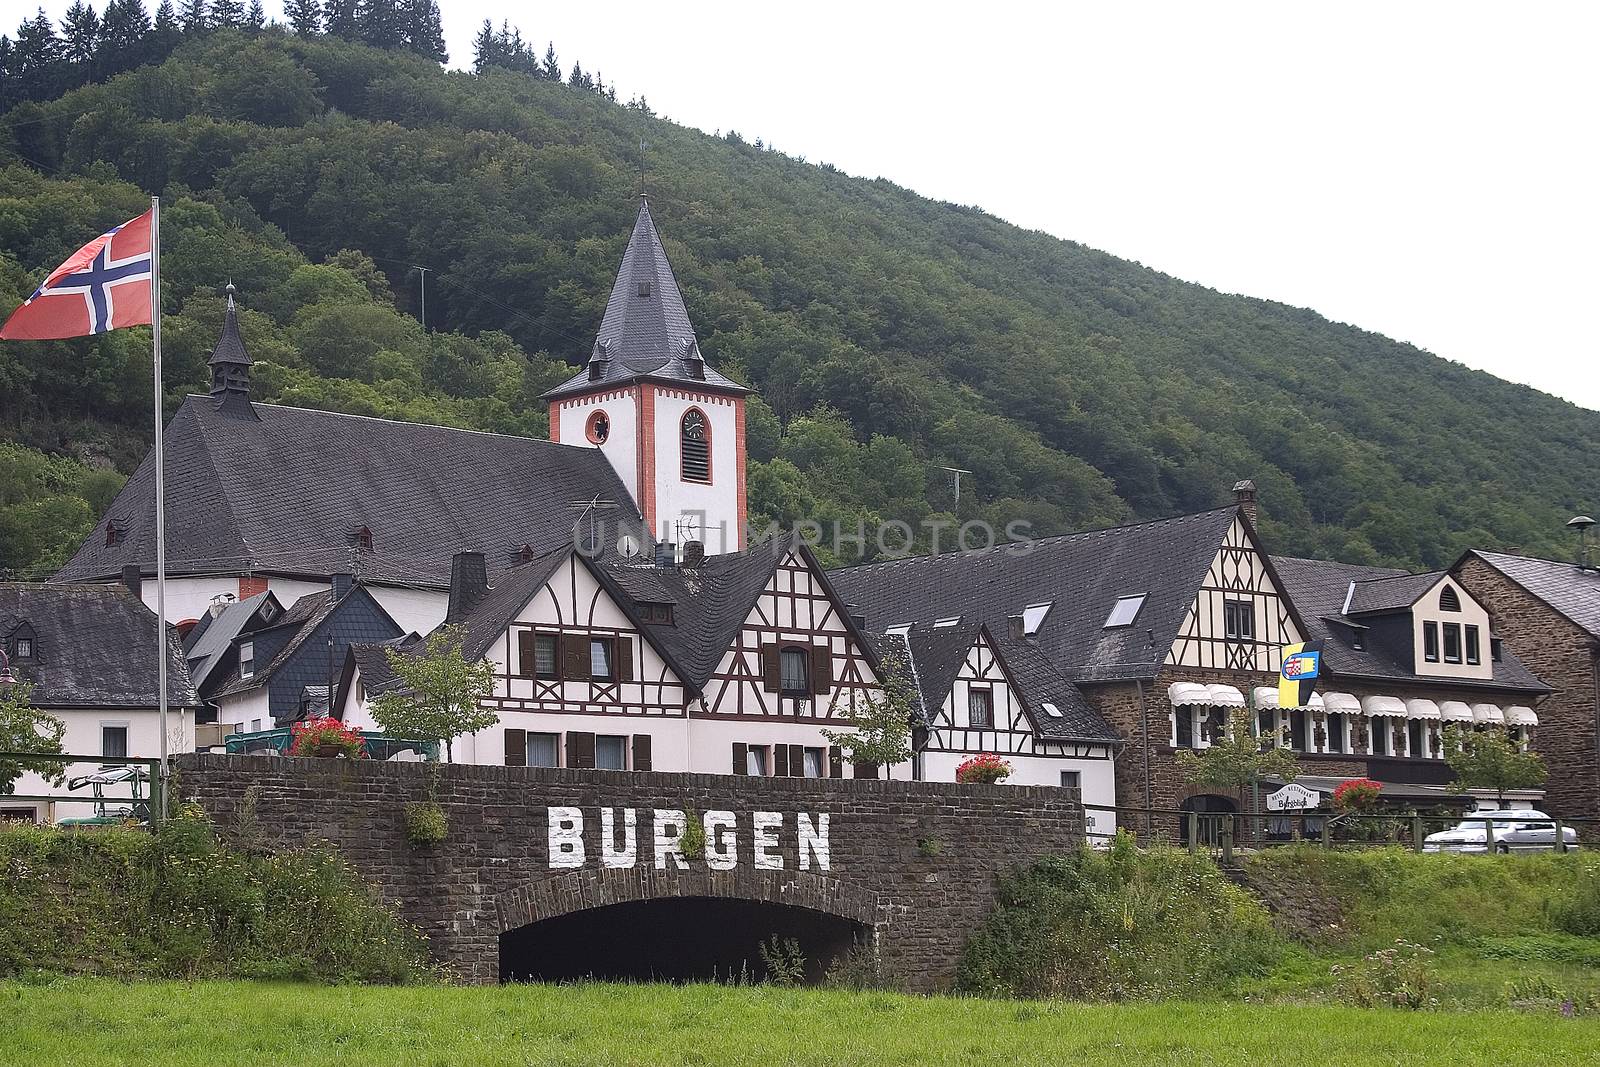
(1343, 703)
(1422, 709)
(1266, 696)
(1488, 715)
(1383, 706)
(1521, 715)
(1184, 693)
(1225, 696)
(1454, 711)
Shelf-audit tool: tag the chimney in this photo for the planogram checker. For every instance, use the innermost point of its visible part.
(1015, 629)
(342, 584)
(694, 554)
(469, 581)
(1244, 494)
(666, 554)
(132, 578)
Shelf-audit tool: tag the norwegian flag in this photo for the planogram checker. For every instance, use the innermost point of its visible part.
(105, 285)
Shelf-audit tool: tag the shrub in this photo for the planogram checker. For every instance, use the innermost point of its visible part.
(1400, 976)
(1118, 925)
(1578, 911)
(1356, 794)
(426, 823)
(326, 737)
(782, 958)
(177, 903)
(693, 839)
(986, 769)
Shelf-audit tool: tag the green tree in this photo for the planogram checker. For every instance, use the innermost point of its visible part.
(1489, 759)
(226, 13)
(1240, 758)
(882, 737)
(438, 692)
(305, 16)
(24, 728)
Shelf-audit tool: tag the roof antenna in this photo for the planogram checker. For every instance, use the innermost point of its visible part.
(1582, 523)
(958, 472)
(588, 509)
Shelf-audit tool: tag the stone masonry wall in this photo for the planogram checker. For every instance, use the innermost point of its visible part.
(1563, 655)
(501, 867)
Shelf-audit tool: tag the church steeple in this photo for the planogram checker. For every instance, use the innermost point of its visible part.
(230, 366)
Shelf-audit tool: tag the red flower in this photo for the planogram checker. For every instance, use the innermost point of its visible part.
(1356, 794)
(326, 737)
(986, 769)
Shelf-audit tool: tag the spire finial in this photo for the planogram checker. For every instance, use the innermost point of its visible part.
(230, 290)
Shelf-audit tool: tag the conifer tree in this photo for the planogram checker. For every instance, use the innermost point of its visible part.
(485, 48)
(305, 16)
(36, 59)
(255, 17)
(225, 13)
(194, 18)
(380, 23)
(552, 66)
(123, 29)
(164, 35)
(575, 79)
(424, 29)
(80, 36)
(339, 16)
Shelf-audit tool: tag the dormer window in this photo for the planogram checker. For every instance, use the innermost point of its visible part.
(115, 534)
(644, 287)
(1449, 599)
(1124, 611)
(362, 538)
(656, 613)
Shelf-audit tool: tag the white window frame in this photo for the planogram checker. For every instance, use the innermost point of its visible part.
(247, 659)
(127, 735)
(1119, 616)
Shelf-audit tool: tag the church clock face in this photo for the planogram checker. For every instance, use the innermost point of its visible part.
(599, 428)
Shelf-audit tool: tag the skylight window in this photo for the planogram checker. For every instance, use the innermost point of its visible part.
(1124, 611)
(1033, 617)
(1051, 710)
(951, 621)
(900, 630)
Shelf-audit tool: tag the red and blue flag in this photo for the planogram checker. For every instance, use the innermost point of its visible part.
(105, 285)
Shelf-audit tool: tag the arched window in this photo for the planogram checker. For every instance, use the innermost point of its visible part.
(1449, 599)
(696, 446)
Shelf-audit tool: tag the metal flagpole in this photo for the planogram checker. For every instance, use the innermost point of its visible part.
(161, 497)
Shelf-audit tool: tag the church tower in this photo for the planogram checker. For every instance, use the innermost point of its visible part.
(230, 366)
(671, 426)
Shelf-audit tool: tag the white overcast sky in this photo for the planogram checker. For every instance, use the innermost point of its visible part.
(1426, 170)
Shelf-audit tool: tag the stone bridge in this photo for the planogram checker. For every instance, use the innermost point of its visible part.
(554, 874)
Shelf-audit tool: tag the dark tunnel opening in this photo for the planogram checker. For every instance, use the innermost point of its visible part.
(675, 939)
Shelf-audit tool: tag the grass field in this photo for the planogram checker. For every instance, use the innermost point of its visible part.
(97, 1022)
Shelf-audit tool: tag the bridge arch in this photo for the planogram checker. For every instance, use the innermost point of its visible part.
(690, 925)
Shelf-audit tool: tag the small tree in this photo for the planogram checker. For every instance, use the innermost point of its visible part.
(438, 692)
(1489, 760)
(1240, 758)
(24, 728)
(882, 736)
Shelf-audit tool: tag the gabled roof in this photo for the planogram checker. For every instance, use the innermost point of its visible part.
(1165, 561)
(937, 653)
(645, 333)
(1570, 590)
(93, 647)
(1391, 592)
(303, 619)
(214, 634)
(1318, 588)
(288, 494)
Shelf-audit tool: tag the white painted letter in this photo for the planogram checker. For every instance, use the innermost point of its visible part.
(767, 825)
(566, 837)
(610, 855)
(813, 841)
(722, 852)
(669, 844)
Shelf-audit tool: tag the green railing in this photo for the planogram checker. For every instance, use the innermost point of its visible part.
(377, 746)
(153, 804)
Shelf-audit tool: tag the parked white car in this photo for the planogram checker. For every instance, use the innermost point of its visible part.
(1515, 830)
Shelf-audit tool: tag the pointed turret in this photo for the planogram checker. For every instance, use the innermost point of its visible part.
(645, 333)
(230, 366)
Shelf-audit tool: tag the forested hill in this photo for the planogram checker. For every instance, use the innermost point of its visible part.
(889, 335)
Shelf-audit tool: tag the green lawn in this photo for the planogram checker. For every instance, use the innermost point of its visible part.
(84, 1022)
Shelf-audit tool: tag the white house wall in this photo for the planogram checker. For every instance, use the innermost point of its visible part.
(83, 737)
(621, 447)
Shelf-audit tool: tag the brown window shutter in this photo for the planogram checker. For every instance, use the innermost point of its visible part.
(625, 658)
(780, 761)
(741, 761)
(835, 762)
(770, 676)
(575, 657)
(641, 752)
(797, 761)
(580, 749)
(525, 660)
(516, 748)
(821, 669)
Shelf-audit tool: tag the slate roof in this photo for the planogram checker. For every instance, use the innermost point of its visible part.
(288, 493)
(230, 348)
(1569, 589)
(937, 653)
(303, 617)
(94, 647)
(213, 635)
(1395, 591)
(370, 658)
(645, 333)
(1084, 574)
(1318, 588)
